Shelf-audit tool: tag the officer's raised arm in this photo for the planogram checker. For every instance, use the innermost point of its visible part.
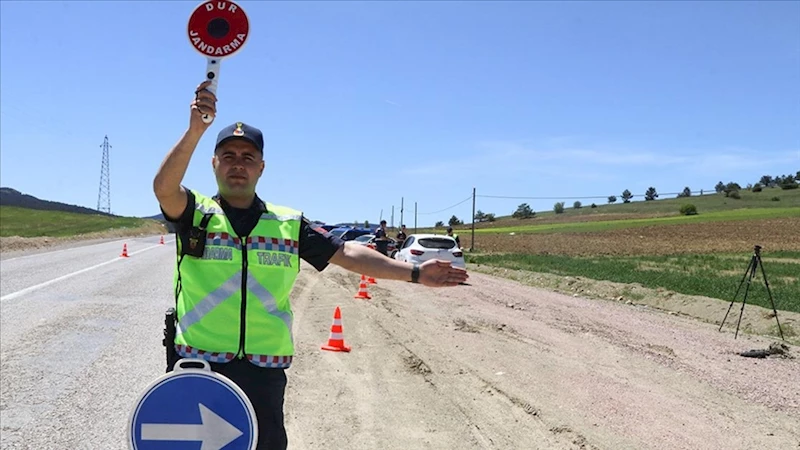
(167, 182)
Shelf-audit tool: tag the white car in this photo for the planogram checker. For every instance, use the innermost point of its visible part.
(419, 248)
(364, 239)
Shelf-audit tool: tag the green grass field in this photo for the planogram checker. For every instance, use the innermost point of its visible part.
(705, 203)
(24, 222)
(710, 207)
(604, 225)
(711, 275)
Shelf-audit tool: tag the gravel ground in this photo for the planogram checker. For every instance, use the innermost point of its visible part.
(497, 364)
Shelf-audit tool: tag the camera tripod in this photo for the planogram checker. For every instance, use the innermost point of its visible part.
(755, 260)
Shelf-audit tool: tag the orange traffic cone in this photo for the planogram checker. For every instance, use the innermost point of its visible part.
(124, 251)
(162, 240)
(371, 280)
(336, 340)
(362, 289)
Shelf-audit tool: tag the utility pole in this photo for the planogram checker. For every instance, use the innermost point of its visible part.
(415, 217)
(392, 223)
(472, 246)
(104, 194)
(401, 211)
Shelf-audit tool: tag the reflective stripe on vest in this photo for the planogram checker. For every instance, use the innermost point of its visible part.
(210, 300)
(233, 286)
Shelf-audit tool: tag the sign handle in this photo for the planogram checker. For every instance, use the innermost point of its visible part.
(212, 74)
(178, 365)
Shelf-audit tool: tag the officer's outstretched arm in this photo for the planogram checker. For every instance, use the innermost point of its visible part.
(362, 260)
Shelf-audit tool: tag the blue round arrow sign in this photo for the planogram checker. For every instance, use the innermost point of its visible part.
(188, 409)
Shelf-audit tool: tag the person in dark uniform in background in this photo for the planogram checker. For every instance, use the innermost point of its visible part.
(401, 236)
(236, 252)
(382, 239)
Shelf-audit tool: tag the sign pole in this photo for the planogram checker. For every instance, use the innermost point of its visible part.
(217, 29)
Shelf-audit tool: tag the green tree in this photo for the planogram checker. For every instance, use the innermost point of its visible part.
(523, 211)
(612, 199)
(454, 221)
(558, 208)
(626, 196)
(577, 205)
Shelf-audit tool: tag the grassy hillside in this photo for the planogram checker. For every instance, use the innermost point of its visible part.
(25, 222)
(704, 203)
(13, 197)
(650, 244)
(710, 207)
(603, 225)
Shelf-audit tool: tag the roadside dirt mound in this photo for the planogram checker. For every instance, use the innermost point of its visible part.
(755, 319)
(17, 243)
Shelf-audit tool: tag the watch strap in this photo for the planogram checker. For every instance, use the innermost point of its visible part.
(415, 274)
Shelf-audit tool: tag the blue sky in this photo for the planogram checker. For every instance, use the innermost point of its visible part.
(363, 104)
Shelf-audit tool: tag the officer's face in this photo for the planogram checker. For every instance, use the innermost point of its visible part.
(237, 165)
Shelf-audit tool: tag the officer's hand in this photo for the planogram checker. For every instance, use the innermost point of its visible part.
(205, 102)
(438, 273)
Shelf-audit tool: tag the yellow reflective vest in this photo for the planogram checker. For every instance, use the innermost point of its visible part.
(234, 300)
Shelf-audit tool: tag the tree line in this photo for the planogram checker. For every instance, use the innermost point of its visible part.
(730, 189)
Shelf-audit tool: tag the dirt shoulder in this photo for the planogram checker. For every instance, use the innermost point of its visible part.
(13, 244)
(501, 364)
(755, 319)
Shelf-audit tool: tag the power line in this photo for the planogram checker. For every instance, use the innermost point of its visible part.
(586, 197)
(537, 198)
(449, 207)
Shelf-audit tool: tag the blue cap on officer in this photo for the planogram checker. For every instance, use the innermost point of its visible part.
(241, 130)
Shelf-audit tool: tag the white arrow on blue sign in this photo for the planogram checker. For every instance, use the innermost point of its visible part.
(187, 407)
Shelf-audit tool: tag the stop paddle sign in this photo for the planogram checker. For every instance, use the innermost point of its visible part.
(217, 29)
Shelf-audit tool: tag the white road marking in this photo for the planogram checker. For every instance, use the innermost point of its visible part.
(19, 293)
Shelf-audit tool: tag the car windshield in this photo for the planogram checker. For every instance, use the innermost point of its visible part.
(364, 238)
(439, 243)
(338, 233)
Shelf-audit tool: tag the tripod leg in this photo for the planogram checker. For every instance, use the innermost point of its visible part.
(737, 292)
(746, 290)
(772, 302)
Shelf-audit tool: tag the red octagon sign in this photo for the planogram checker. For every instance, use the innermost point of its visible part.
(218, 28)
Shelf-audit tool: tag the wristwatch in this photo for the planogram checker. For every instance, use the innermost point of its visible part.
(415, 274)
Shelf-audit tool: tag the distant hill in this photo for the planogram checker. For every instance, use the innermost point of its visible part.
(12, 197)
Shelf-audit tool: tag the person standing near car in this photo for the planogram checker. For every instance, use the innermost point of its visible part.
(382, 239)
(454, 236)
(401, 236)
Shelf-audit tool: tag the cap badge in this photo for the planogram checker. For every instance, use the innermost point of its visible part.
(238, 131)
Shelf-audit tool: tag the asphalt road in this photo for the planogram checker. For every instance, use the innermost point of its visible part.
(79, 327)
